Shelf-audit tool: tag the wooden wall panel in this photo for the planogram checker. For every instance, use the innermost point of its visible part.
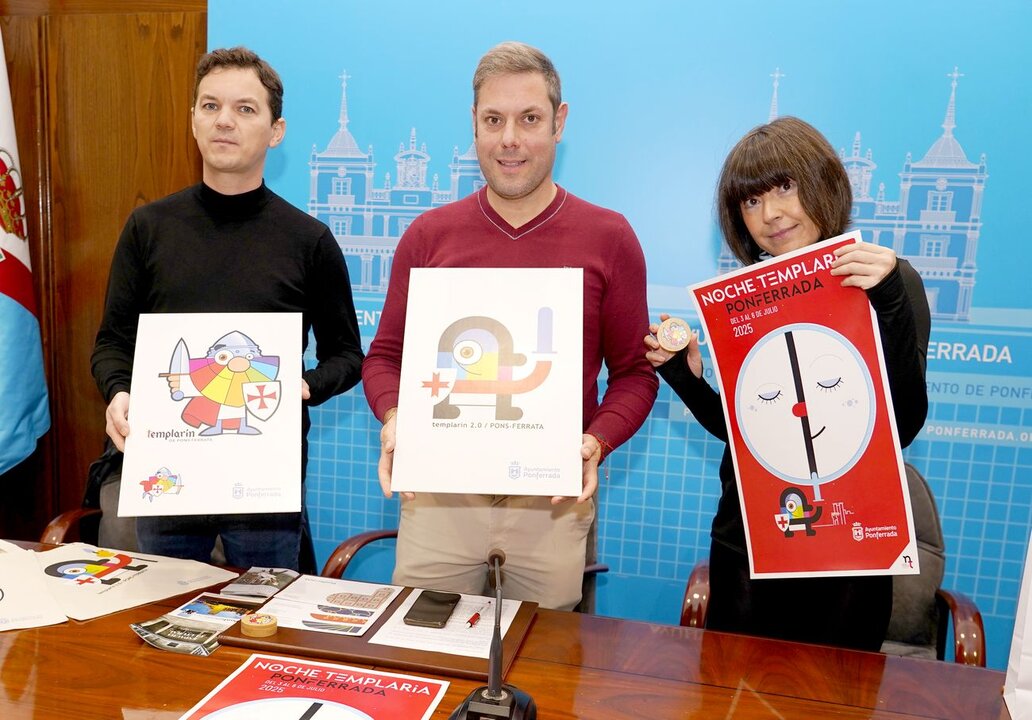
(102, 92)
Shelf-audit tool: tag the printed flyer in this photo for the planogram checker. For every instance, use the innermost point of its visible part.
(331, 605)
(270, 687)
(215, 415)
(194, 627)
(802, 379)
(490, 397)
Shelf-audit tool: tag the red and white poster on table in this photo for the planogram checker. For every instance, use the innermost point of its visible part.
(802, 379)
(270, 687)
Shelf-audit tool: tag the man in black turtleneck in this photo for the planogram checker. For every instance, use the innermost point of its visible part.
(229, 244)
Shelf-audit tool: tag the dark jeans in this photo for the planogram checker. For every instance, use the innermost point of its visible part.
(848, 612)
(263, 540)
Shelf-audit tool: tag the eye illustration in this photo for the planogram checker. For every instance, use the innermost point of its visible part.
(467, 352)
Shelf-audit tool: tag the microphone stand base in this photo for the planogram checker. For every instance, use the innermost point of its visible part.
(513, 705)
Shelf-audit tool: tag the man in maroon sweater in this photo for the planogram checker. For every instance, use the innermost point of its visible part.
(522, 219)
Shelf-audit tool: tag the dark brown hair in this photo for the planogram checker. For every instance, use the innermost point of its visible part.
(241, 57)
(769, 155)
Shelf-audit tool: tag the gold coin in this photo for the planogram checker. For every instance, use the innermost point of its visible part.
(674, 334)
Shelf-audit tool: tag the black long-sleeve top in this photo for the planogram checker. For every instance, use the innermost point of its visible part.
(201, 251)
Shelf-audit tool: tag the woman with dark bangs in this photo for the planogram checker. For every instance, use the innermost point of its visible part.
(782, 188)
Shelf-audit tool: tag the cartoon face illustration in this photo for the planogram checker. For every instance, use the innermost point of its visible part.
(805, 404)
(477, 365)
(100, 569)
(231, 383)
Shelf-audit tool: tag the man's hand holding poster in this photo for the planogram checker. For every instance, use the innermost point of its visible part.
(802, 378)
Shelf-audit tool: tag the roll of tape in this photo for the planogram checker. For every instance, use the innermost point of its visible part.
(258, 625)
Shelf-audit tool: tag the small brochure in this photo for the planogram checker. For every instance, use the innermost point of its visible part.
(329, 605)
(261, 582)
(271, 687)
(193, 628)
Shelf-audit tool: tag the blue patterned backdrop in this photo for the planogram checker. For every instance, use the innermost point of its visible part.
(926, 102)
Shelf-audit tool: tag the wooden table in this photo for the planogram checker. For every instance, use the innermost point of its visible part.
(575, 666)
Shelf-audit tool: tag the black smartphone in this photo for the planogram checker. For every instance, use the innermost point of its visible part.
(432, 609)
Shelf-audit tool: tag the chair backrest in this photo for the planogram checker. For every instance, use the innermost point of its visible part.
(914, 620)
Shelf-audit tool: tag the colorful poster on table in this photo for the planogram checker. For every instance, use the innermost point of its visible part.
(805, 392)
(269, 687)
(215, 415)
(88, 581)
(490, 397)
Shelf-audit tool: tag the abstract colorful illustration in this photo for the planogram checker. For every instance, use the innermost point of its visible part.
(162, 482)
(476, 366)
(106, 568)
(232, 383)
(796, 513)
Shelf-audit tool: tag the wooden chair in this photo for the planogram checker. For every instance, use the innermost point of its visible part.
(78, 525)
(343, 554)
(921, 608)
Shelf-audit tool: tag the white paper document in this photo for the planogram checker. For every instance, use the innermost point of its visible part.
(490, 399)
(344, 607)
(215, 416)
(87, 581)
(24, 599)
(458, 636)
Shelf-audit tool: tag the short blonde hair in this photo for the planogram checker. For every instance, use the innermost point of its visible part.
(513, 57)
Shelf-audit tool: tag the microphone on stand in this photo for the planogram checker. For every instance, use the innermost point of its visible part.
(495, 700)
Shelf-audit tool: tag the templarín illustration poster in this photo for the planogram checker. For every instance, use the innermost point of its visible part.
(490, 398)
(806, 398)
(215, 415)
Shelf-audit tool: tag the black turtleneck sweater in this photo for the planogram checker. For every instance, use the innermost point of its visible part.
(200, 251)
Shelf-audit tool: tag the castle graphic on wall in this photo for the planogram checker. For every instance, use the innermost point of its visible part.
(368, 220)
(935, 223)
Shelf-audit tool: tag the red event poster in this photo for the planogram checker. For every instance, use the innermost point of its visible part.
(802, 378)
(270, 687)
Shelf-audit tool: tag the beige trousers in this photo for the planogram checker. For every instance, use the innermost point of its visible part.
(444, 540)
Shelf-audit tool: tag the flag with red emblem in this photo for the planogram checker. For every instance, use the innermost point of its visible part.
(24, 410)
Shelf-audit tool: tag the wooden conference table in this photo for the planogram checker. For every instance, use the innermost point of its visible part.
(575, 666)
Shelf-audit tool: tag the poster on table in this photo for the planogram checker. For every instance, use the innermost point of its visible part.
(490, 397)
(270, 687)
(215, 416)
(24, 599)
(88, 581)
(802, 379)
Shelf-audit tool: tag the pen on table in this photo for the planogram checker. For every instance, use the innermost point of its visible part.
(475, 617)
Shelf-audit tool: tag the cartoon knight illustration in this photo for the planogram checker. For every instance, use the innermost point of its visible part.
(475, 357)
(227, 387)
(796, 513)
